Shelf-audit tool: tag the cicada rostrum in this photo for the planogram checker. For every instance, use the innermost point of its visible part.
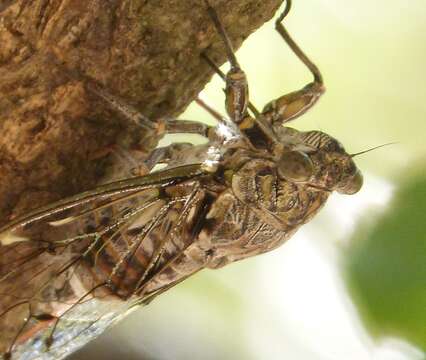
(70, 269)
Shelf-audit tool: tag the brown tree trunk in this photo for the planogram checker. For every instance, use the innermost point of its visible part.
(55, 134)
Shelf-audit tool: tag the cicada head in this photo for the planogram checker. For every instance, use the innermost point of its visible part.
(317, 159)
(337, 171)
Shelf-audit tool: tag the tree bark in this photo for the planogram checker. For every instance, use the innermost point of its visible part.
(55, 134)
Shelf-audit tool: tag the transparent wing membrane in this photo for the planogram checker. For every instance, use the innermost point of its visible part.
(77, 265)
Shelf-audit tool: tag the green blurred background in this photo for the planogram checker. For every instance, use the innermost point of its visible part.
(351, 284)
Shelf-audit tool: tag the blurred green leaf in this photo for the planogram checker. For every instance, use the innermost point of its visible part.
(386, 268)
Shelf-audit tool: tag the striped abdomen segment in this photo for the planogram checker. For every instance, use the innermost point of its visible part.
(144, 243)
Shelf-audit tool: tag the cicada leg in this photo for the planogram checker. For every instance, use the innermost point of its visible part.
(236, 82)
(255, 129)
(160, 127)
(157, 128)
(219, 72)
(160, 155)
(166, 154)
(294, 104)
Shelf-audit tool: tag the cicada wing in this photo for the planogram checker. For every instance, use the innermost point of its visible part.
(76, 328)
(70, 269)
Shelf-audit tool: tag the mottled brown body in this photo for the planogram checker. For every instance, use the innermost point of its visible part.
(131, 240)
(69, 270)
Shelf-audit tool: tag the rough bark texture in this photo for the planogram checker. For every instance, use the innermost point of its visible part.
(55, 134)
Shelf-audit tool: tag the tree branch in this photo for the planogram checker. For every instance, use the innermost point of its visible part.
(55, 133)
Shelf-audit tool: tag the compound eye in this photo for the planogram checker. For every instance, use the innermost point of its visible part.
(295, 166)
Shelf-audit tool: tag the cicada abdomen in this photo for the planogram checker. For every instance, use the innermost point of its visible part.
(71, 269)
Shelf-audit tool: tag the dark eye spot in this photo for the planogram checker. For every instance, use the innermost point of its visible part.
(209, 252)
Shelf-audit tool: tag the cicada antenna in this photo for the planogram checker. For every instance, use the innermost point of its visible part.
(371, 149)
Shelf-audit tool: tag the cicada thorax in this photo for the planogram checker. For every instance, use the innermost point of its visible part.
(281, 202)
(258, 210)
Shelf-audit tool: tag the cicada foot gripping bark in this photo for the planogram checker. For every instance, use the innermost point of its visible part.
(69, 270)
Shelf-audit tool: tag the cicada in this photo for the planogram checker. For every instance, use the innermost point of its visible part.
(69, 270)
